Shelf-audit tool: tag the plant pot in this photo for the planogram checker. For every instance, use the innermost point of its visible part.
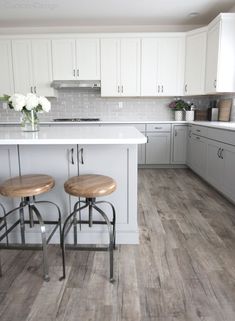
(179, 115)
(29, 121)
(189, 115)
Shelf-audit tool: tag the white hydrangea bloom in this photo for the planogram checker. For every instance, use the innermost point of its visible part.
(45, 103)
(18, 101)
(31, 101)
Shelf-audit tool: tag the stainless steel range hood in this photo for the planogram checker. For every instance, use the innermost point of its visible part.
(57, 84)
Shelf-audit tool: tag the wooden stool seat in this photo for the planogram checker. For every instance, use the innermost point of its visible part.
(90, 186)
(27, 185)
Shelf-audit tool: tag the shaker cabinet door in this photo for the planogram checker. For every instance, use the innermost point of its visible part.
(64, 60)
(110, 67)
(88, 59)
(42, 67)
(6, 70)
(22, 66)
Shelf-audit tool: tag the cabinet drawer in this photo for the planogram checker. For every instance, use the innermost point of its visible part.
(200, 130)
(158, 127)
(224, 136)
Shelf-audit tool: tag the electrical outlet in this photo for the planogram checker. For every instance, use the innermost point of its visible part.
(120, 105)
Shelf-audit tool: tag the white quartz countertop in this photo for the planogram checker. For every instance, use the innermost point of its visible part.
(216, 124)
(102, 122)
(92, 135)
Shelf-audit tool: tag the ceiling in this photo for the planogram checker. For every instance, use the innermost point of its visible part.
(37, 13)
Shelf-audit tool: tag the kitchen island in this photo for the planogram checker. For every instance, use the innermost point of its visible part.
(65, 151)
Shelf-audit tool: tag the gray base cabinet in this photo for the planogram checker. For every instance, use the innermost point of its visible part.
(212, 159)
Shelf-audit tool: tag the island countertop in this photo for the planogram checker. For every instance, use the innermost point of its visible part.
(59, 135)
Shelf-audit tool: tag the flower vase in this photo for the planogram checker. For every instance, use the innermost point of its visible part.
(29, 121)
(179, 115)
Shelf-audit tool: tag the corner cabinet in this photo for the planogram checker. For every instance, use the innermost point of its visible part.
(195, 62)
(32, 66)
(6, 74)
(179, 146)
(220, 61)
(162, 67)
(76, 59)
(120, 67)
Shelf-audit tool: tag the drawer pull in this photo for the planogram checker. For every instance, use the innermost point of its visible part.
(157, 127)
(198, 130)
(198, 137)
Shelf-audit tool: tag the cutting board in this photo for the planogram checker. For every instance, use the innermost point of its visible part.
(225, 106)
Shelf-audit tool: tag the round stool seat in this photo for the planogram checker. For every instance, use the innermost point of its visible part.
(27, 185)
(90, 186)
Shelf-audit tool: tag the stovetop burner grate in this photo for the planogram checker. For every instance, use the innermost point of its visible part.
(75, 119)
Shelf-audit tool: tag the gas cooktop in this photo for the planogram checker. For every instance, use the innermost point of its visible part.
(75, 119)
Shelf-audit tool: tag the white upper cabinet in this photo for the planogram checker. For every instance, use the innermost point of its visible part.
(162, 67)
(88, 59)
(6, 72)
(110, 67)
(220, 61)
(195, 62)
(32, 66)
(76, 59)
(22, 66)
(63, 57)
(120, 67)
(42, 67)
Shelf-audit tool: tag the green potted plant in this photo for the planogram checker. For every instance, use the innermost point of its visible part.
(179, 106)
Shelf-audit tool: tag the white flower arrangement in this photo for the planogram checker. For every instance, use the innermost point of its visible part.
(29, 106)
(30, 102)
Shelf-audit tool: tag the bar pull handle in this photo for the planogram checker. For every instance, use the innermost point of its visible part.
(147, 139)
(118, 89)
(122, 89)
(82, 158)
(176, 132)
(74, 73)
(157, 127)
(162, 88)
(31, 89)
(35, 89)
(158, 89)
(72, 156)
(78, 72)
(186, 88)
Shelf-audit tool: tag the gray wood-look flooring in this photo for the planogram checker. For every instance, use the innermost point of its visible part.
(183, 269)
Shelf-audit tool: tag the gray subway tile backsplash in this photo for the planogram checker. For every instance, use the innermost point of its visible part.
(89, 103)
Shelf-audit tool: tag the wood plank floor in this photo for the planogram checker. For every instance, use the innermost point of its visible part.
(183, 269)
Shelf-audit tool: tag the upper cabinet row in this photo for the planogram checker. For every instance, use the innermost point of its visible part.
(198, 62)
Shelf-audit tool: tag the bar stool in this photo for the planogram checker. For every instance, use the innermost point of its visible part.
(89, 187)
(27, 187)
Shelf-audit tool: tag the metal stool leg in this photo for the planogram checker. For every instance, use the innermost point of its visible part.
(113, 222)
(22, 225)
(64, 233)
(44, 243)
(110, 240)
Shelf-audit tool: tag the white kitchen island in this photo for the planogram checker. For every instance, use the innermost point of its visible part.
(65, 151)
